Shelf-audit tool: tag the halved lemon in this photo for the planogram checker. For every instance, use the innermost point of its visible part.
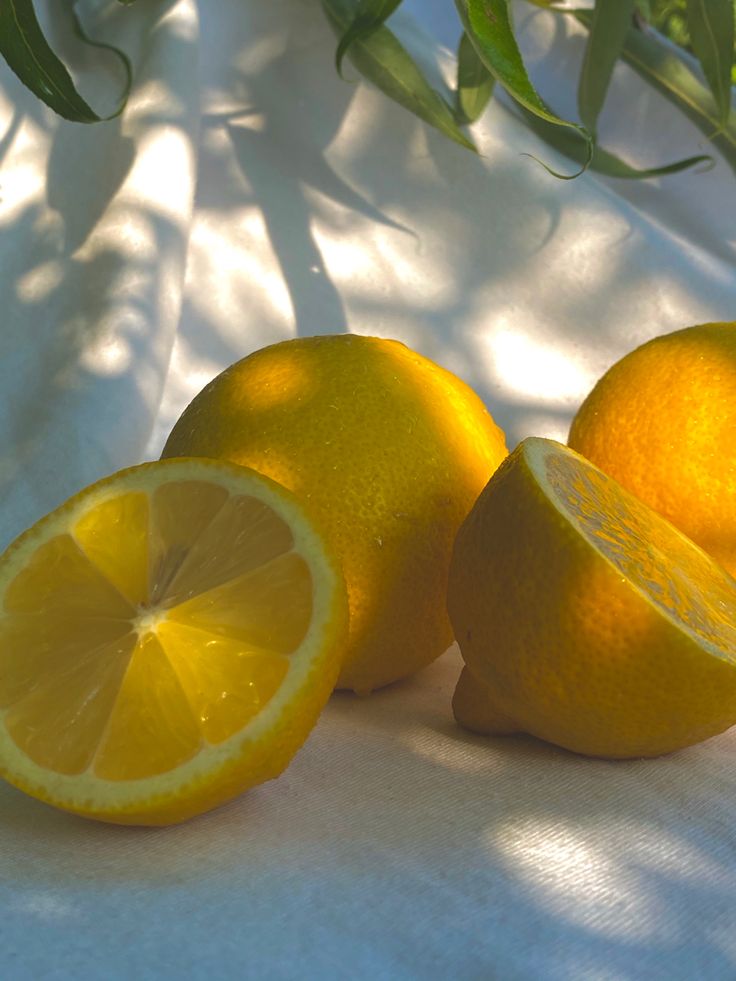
(168, 638)
(586, 619)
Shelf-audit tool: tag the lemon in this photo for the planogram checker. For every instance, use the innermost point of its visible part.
(168, 638)
(386, 449)
(662, 421)
(586, 619)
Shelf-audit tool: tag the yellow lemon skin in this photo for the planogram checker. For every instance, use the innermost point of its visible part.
(586, 619)
(388, 452)
(662, 421)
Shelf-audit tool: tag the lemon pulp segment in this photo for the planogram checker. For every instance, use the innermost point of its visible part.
(680, 580)
(155, 624)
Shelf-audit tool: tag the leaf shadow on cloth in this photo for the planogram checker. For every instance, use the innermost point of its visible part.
(102, 166)
(72, 334)
(328, 204)
(286, 186)
(645, 129)
(337, 210)
(92, 269)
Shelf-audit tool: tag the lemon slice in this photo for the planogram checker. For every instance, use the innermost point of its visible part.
(168, 638)
(584, 617)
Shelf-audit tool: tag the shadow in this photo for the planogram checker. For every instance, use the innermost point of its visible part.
(319, 204)
(314, 299)
(105, 152)
(554, 54)
(104, 164)
(384, 227)
(283, 185)
(94, 269)
(11, 131)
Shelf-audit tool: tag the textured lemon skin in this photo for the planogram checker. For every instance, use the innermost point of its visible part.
(558, 644)
(662, 421)
(269, 744)
(387, 450)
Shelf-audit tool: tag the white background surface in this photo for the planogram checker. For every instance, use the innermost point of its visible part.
(246, 196)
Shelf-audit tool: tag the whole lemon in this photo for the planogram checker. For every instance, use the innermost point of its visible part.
(387, 450)
(662, 421)
(586, 619)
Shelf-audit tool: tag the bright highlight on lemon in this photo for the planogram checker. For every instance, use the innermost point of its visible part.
(168, 638)
(586, 619)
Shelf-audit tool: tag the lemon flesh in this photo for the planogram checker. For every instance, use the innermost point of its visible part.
(584, 617)
(152, 629)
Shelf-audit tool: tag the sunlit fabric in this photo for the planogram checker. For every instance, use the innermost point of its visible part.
(248, 195)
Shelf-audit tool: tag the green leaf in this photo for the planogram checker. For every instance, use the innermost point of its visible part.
(28, 54)
(602, 162)
(668, 73)
(610, 25)
(488, 25)
(711, 33)
(369, 15)
(384, 61)
(475, 83)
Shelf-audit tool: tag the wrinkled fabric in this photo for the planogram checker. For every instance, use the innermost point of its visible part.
(249, 195)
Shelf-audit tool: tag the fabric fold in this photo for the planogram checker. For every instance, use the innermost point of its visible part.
(94, 224)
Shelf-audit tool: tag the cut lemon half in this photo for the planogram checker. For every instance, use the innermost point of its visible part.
(584, 617)
(168, 638)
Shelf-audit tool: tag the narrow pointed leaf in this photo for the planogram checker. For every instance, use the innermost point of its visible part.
(25, 49)
(488, 25)
(711, 27)
(369, 15)
(610, 25)
(474, 83)
(669, 74)
(121, 55)
(603, 162)
(384, 61)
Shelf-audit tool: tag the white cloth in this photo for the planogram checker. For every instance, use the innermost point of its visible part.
(396, 846)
